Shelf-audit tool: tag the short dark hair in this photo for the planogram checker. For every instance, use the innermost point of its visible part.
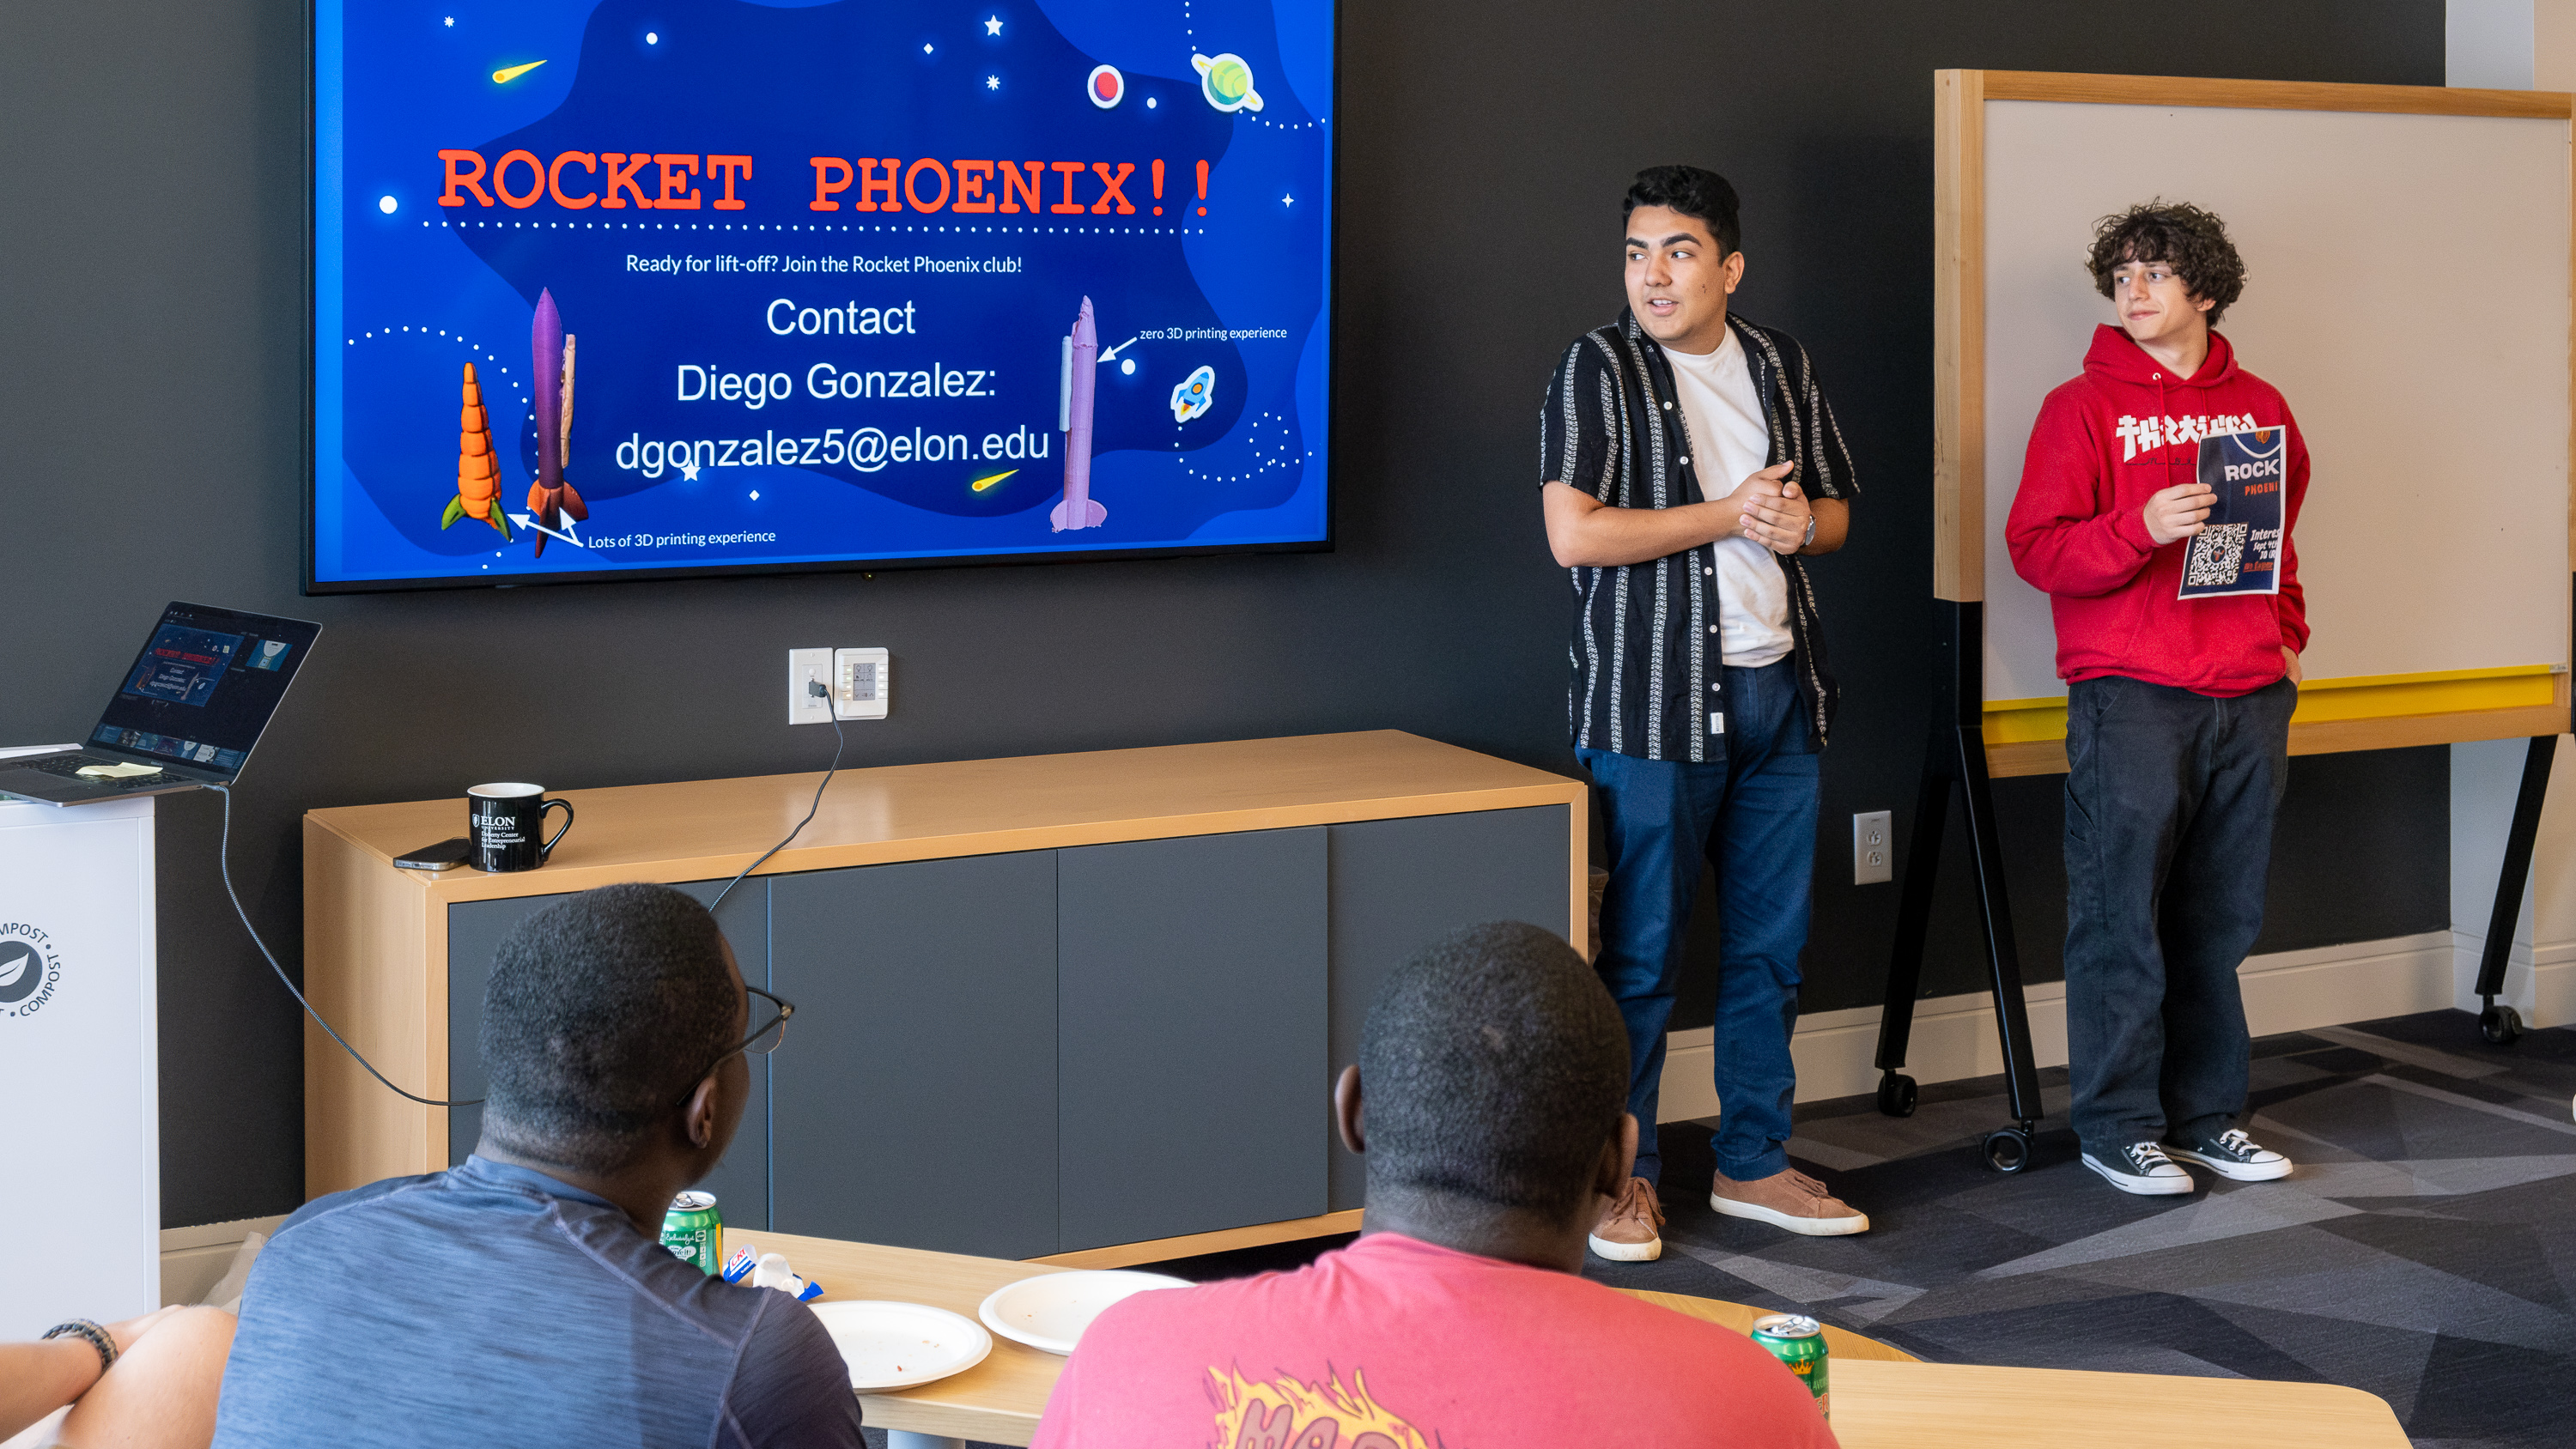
(1493, 1067)
(2192, 240)
(1692, 192)
(603, 1009)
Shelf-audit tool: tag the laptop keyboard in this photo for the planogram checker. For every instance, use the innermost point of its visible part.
(69, 767)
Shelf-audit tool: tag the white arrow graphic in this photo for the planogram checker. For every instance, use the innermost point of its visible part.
(1121, 347)
(524, 521)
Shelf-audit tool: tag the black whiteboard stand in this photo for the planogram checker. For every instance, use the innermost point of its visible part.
(2502, 1025)
(1954, 763)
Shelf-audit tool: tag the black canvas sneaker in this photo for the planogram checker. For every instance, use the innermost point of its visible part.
(2232, 1154)
(2142, 1168)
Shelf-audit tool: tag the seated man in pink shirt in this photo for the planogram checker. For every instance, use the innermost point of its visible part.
(1490, 1097)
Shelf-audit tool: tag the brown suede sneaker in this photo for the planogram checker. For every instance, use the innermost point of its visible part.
(1629, 1229)
(1787, 1199)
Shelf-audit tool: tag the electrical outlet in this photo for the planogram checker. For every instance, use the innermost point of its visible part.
(804, 665)
(1872, 852)
(862, 683)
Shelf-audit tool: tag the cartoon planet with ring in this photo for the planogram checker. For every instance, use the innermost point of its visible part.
(1226, 82)
(1106, 86)
(1191, 396)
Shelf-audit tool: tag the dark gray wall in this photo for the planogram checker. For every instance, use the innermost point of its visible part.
(151, 339)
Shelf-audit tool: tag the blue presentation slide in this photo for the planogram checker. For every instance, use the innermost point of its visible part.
(604, 287)
(183, 665)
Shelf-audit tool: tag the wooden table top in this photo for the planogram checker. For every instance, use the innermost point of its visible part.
(1883, 1397)
(710, 829)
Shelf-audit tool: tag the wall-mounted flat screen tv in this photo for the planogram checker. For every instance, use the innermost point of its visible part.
(653, 288)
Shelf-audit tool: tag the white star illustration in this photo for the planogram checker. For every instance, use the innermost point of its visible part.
(992, 83)
(993, 25)
(689, 472)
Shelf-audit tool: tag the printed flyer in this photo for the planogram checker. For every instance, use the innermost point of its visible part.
(610, 288)
(2239, 552)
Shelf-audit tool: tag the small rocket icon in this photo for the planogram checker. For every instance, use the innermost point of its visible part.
(1081, 360)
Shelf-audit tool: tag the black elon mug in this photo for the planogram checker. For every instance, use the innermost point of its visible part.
(505, 823)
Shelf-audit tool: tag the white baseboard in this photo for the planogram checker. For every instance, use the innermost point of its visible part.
(1954, 1036)
(194, 1259)
(2538, 982)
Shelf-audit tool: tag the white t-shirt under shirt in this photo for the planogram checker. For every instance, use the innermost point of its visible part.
(1724, 420)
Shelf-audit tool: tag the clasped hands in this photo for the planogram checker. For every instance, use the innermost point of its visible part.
(1772, 511)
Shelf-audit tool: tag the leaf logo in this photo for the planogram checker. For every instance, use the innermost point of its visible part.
(21, 969)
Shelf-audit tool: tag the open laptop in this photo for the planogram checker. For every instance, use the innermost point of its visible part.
(190, 709)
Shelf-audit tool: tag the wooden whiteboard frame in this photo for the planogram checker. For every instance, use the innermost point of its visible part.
(1959, 353)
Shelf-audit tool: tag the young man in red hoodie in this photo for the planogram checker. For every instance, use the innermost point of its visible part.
(2178, 709)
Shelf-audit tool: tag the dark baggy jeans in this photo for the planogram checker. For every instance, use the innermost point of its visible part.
(1752, 816)
(2169, 804)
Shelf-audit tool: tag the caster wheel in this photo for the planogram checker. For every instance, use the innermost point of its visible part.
(2007, 1149)
(1896, 1095)
(2500, 1025)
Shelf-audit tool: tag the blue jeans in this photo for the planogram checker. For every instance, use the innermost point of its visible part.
(1753, 817)
(2170, 797)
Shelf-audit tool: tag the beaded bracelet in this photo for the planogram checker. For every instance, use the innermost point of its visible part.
(98, 1339)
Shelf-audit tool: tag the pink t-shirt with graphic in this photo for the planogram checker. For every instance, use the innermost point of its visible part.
(1394, 1343)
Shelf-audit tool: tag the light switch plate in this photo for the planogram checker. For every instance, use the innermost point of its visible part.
(1873, 853)
(862, 683)
(802, 665)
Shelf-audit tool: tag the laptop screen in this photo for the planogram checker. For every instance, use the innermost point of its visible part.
(204, 686)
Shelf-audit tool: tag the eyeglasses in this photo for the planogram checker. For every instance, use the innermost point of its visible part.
(759, 1044)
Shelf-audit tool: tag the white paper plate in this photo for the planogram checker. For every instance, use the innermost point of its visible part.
(901, 1345)
(1051, 1310)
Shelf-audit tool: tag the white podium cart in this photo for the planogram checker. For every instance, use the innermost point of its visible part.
(80, 1155)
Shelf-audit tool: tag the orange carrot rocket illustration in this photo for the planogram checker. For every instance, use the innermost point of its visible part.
(553, 353)
(478, 477)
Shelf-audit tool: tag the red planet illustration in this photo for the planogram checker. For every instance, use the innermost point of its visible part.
(1107, 87)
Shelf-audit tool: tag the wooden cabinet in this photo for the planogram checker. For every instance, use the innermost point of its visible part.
(1081, 1007)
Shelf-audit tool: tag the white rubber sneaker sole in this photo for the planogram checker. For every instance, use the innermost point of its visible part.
(1645, 1252)
(2233, 1171)
(2178, 1185)
(1805, 1227)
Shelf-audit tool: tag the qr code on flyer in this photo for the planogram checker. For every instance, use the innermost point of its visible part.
(2217, 556)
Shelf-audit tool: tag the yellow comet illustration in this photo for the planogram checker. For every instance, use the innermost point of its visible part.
(986, 480)
(509, 73)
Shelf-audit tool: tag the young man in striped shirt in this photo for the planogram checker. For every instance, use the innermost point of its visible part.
(1688, 462)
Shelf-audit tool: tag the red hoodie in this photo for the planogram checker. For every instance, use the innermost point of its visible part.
(2105, 441)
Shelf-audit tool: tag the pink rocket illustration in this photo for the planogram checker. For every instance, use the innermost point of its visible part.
(1081, 359)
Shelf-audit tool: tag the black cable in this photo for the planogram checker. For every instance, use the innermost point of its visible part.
(839, 741)
(224, 866)
(223, 863)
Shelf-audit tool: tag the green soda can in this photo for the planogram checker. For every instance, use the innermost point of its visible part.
(694, 1231)
(1795, 1340)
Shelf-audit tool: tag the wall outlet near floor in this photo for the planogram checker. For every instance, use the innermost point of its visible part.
(862, 683)
(803, 705)
(1872, 854)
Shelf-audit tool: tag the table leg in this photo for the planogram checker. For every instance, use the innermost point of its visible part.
(906, 1439)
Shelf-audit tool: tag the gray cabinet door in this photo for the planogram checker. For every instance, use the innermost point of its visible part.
(474, 930)
(917, 1085)
(1399, 885)
(1191, 1034)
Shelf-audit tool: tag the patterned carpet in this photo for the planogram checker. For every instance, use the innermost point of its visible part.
(2425, 1250)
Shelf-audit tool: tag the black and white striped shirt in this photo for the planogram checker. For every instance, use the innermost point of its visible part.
(1645, 657)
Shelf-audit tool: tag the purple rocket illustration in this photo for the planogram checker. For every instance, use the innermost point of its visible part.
(1081, 360)
(551, 499)
(546, 342)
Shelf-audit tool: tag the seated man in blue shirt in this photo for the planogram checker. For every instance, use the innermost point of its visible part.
(525, 1297)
